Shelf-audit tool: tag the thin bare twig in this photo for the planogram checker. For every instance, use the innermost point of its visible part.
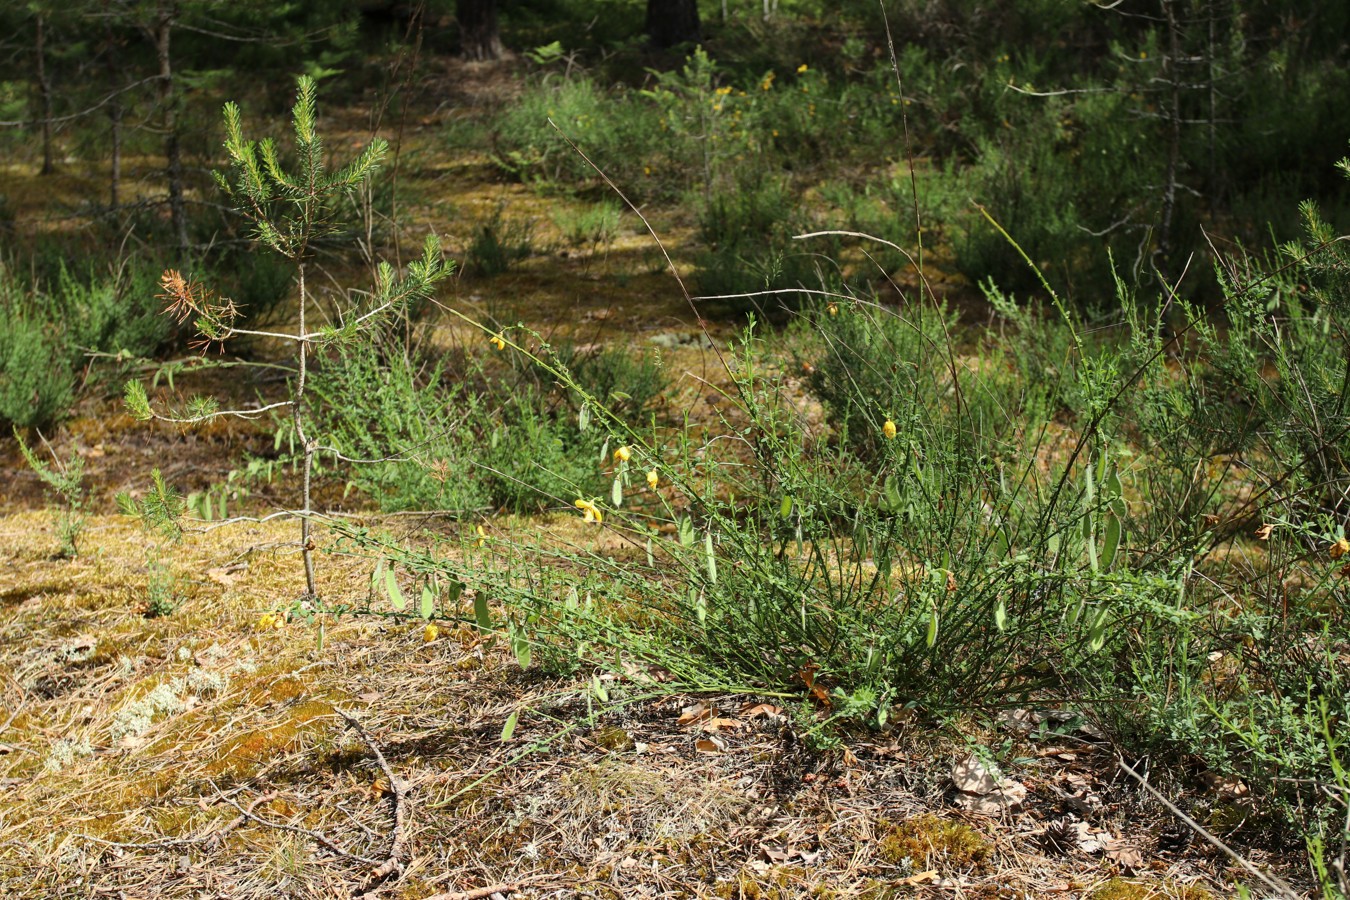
(210, 841)
(1271, 881)
(318, 837)
(488, 890)
(393, 864)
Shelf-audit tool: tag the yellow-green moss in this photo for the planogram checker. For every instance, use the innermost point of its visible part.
(926, 841)
(241, 755)
(1121, 889)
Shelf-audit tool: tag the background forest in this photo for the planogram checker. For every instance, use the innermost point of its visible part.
(895, 372)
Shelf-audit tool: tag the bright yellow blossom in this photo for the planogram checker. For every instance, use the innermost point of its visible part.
(802, 68)
(653, 479)
(1340, 548)
(623, 454)
(590, 512)
(482, 536)
(498, 341)
(430, 633)
(889, 430)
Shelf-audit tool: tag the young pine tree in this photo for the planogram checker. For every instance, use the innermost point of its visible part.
(290, 211)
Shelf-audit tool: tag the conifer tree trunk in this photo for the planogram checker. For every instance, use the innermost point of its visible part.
(114, 116)
(672, 22)
(44, 93)
(173, 155)
(1173, 80)
(479, 36)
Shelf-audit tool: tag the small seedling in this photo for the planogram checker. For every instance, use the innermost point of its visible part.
(67, 481)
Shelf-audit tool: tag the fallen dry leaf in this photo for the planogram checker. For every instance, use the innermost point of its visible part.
(1263, 533)
(982, 792)
(710, 745)
(919, 878)
(1022, 720)
(1130, 860)
(972, 776)
(695, 713)
(717, 724)
(1008, 797)
(754, 711)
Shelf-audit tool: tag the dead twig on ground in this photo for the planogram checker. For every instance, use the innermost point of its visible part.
(1276, 884)
(504, 887)
(393, 864)
(210, 841)
(316, 836)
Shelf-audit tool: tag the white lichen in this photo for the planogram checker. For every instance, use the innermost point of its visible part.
(64, 752)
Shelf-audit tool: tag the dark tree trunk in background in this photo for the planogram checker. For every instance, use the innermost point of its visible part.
(44, 94)
(479, 37)
(173, 154)
(113, 59)
(671, 22)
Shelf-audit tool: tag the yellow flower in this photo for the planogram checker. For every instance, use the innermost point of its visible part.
(482, 536)
(833, 309)
(724, 91)
(590, 512)
(889, 430)
(267, 621)
(430, 633)
(498, 341)
(623, 454)
(653, 479)
(1340, 548)
(767, 83)
(802, 68)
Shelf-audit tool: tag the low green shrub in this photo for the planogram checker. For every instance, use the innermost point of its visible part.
(398, 411)
(37, 375)
(46, 330)
(498, 245)
(591, 227)
(618, 131)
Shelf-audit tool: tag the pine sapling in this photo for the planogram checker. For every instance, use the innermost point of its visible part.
(290, 211)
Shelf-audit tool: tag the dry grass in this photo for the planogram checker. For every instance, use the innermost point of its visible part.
(101, 801)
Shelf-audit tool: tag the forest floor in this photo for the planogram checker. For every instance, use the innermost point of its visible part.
(205, 753)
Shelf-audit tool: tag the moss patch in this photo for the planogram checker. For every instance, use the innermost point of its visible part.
(930, 841)
(1121, 889)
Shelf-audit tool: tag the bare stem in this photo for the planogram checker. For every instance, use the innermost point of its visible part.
(307, 466)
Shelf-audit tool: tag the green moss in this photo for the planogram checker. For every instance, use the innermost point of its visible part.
(928, 840)
(613, 738)
(1121, 889)
(242, 755)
